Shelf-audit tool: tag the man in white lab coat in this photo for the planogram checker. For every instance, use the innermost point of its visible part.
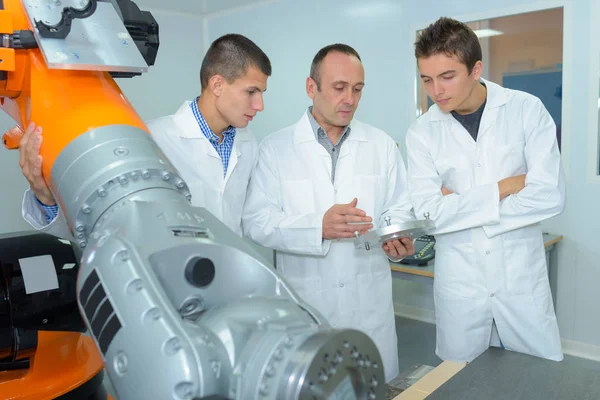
(318, 182)
(206, 140)
(483, 162)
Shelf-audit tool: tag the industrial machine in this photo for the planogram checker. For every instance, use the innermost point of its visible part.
(177, 306)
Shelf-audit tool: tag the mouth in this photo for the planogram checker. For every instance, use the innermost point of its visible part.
(249, 117)
(442, 101)
(345, 112)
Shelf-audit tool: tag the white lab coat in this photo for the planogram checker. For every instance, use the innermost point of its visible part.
(289, 193)
(183, 143)
(490, 263)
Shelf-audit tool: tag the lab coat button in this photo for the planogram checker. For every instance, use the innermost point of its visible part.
(492, 295)
(487, 252)
(341, 285)
(479, 165)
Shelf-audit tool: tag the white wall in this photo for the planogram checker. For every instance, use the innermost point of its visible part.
(12, 185)
(291, 32)
(175, 77)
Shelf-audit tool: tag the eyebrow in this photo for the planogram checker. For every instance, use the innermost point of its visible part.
(443, 73)
(346, 83)
(257, 88)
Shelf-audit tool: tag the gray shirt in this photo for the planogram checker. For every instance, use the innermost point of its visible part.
(332, 148)
(471, 121)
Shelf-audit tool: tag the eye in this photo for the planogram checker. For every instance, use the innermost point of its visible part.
(339, 89)
(426, 80)
(358, 90)
(447, 78)
(251, 91)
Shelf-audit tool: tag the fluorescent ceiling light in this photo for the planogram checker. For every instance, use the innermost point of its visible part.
(483, 33)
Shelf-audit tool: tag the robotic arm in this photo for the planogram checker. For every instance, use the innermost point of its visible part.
(178, 306)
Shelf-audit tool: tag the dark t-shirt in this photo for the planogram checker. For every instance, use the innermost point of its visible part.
(471, 121)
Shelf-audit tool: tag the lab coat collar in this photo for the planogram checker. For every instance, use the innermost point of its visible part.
(303, 132)
(496, 96)
(185, 120)
(190, 129)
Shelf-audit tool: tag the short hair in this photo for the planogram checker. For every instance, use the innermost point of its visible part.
(321, 54)
(230, 56)
(452, 38)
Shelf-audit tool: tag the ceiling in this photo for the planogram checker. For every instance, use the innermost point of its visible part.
(196, 7)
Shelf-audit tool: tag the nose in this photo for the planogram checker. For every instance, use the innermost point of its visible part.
(258, 103)
(349, 97)
(438, 88)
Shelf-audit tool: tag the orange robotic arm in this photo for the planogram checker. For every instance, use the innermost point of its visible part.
(66, 103)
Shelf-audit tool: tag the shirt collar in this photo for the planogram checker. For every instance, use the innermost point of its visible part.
(228, 134)
(318, 129)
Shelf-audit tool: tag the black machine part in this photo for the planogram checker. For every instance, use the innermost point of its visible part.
(62, 29)
(22, 314)
(143, 29)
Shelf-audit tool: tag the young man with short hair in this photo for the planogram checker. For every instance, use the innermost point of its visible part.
(484, 164)
(206, 140)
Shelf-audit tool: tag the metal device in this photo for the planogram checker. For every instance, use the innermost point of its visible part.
(179, 306)
(377, 237)
(96, 41)
(167, 287)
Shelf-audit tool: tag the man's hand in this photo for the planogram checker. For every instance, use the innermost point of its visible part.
(512, 185)
(30, 162)
(399, 248)
(446, 192)
(337, 221)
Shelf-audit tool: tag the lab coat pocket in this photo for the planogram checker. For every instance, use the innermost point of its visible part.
(298, 196)
(525, 266)
(370, 192)
(457, 273)
(509, 159)
(374, 290)
(198, 195)
(455, 172)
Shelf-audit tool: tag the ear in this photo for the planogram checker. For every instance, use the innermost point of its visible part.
(215, 84)
(311, 87)
(477, 70)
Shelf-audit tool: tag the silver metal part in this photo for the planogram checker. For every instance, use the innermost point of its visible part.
(97, 43)
(411, 229)
(104, 165)
(179, 305)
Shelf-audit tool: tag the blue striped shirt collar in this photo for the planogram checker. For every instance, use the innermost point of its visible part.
(206, 131)
(224, 148)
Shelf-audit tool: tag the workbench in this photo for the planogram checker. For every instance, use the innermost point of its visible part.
(502, 375)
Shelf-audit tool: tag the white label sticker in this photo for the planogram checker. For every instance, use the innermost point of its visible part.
(39, 274)
(69, 266)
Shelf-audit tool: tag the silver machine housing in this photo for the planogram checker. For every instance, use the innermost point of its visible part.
(179, 305)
